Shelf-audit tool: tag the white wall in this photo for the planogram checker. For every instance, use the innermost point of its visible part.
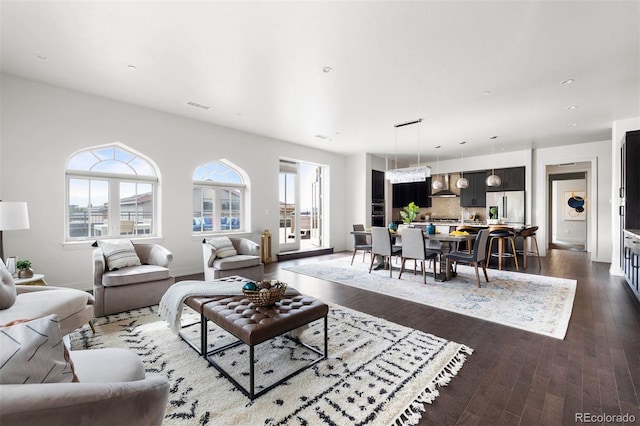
(43, 125)
(598, 155)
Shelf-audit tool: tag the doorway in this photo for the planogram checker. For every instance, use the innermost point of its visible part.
(301, 206)
(569, 211)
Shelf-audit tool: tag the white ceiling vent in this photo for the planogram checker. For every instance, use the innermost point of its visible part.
(197, 105)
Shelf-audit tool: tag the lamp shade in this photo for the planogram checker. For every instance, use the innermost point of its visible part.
(494, 180)
(462, 183)
(13, 215)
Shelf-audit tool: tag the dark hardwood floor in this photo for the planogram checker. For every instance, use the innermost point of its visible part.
(516, 377)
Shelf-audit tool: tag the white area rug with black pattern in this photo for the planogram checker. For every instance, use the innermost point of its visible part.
(377, 372)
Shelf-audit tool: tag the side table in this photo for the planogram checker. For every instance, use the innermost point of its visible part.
(36, 279)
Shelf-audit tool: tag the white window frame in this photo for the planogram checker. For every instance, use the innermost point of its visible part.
(217, 188)
(113, 213)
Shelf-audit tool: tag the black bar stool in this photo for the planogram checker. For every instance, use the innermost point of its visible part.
(502, 233)
(525, 252)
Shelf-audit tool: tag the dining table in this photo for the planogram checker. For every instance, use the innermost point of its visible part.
(448, 240)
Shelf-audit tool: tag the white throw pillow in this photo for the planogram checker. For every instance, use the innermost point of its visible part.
(224, 247)
(32, 351)
(119, 254)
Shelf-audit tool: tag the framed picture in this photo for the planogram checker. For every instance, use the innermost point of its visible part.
(575, 205)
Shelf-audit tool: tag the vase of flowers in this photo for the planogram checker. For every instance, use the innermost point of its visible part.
(24, 269)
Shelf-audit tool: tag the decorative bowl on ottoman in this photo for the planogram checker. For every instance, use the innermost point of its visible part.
(264, 293)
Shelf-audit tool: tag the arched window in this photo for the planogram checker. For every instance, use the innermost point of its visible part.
(218, 198)
(111, 192)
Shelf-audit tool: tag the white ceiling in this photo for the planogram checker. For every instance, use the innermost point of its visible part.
(259, 67)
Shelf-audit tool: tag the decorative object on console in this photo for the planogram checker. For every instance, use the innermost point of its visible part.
(493, 179)
(13, 216)
(463, 182)
(24, 267)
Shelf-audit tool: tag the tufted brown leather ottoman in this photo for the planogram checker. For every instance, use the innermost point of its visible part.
(253, 325)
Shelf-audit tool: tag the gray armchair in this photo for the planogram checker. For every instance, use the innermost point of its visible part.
(247, 263)
(132, 286)
(113, 389)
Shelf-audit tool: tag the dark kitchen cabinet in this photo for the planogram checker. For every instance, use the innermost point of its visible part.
(418, 192)
(476, 194)
(512, 179)
(631, 195)
(378, 217)
(630, 212)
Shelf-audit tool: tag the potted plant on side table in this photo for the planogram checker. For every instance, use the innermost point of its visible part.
(24, 267)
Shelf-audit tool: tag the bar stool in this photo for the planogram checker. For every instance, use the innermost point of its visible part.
(502, 233)
(472, 230)
(526, 234)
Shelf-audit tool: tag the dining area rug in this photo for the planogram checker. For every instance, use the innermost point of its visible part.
(534, 303)
(377, 372)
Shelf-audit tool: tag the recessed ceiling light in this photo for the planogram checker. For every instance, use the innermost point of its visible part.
(327, 69)
(573, 124)
(567, 81)
(572, 107)
(197, 105)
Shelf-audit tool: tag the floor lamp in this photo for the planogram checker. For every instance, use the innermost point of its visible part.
(13, 216)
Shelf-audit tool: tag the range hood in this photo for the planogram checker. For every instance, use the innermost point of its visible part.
(445, 192)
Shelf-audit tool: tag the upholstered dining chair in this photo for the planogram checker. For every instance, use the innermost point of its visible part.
(413, 247)
(477, 257)
(381, 245)
(360, 242)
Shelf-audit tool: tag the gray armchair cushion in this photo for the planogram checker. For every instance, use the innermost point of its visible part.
(7, 289)
(235, 262)
(134, 275)
(65, 302)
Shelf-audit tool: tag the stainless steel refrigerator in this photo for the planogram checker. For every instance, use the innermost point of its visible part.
(507, 205)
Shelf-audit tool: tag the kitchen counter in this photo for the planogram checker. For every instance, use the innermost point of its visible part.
(635, 232)
(471, 223)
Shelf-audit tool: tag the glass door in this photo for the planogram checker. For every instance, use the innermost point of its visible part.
(288, 235)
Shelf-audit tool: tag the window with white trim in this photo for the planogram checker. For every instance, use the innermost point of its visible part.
(218, 199)
(111, 193)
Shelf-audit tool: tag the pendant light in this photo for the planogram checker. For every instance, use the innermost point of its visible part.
(408, 174)
(463, 182)
(493, 179)
(437, 182)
